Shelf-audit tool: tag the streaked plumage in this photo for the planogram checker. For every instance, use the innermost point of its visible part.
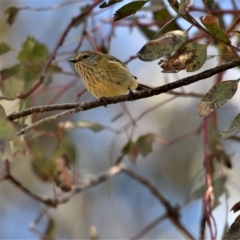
(104, 75)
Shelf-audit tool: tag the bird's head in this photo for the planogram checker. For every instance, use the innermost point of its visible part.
(86, 57)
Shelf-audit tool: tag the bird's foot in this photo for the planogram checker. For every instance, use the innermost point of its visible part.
(103, 101)
(131, 95)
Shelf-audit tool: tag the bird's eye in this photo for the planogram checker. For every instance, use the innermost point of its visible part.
(85, 56)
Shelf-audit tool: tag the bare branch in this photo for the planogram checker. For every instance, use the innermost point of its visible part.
(124, 98)
(172, 213)
(149, 227)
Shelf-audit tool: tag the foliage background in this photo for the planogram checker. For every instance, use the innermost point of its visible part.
(130, 206)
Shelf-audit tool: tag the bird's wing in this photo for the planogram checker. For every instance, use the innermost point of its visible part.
(112, 58)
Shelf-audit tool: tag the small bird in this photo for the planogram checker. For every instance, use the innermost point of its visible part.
(104, 75)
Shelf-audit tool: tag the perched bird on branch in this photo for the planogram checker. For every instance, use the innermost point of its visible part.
(104, 75)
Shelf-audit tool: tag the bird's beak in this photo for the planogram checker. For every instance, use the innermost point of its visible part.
(72, 60)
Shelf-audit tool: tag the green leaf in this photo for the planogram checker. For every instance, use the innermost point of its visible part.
(25, 72)
(162, 46)
(110, 3)
(7, 130)
(149, 33)
(7, 134)
(164, 14)
(33, 52)
(12, 13)
(132, 150)
(183, 6)
(4, 48)
(232, 129)
(145, 143)
(82, 124)
(191, 56)
(11, 87)
(210, 23)
(217, 96)
(216, 148)
(10, 72)
(50, 229)
(67, 148)
(128, 10)
(28, 72)
(43, 166)
(55, 69)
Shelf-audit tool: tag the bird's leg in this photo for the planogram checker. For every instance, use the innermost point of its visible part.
(131, 95)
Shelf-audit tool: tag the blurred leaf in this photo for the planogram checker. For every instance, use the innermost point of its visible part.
(132, 150)
(7, 134)
(217, 96)
(236, 207)
(12, 13)
(162, 46)
(11, 87)
(82, 124)
(5, 150)
(68, 147)
(63, 176)
(46, 144)
(10, 72)
(216, 148)
(55, 69)
(25, 72)
(210, 23)
(4, 48)
(145, 143)
(128, 9)
(50, 229)
(163, 15)
(175, 6)
(234, 231)
(149, 33)
(183, 5)
(154, 6)
(7, 130)
(28, 72)
(191, 56)
(43, 166)
(232, 129)
(109, 3)
(33, 52)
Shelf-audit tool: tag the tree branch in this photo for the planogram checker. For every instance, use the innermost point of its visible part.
(123, 98)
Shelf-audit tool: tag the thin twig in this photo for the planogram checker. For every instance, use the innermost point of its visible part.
(172, 212)
(44, 120)
(135, 96)
(149, 227)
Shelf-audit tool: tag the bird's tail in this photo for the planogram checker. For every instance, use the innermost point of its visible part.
(142, 87)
